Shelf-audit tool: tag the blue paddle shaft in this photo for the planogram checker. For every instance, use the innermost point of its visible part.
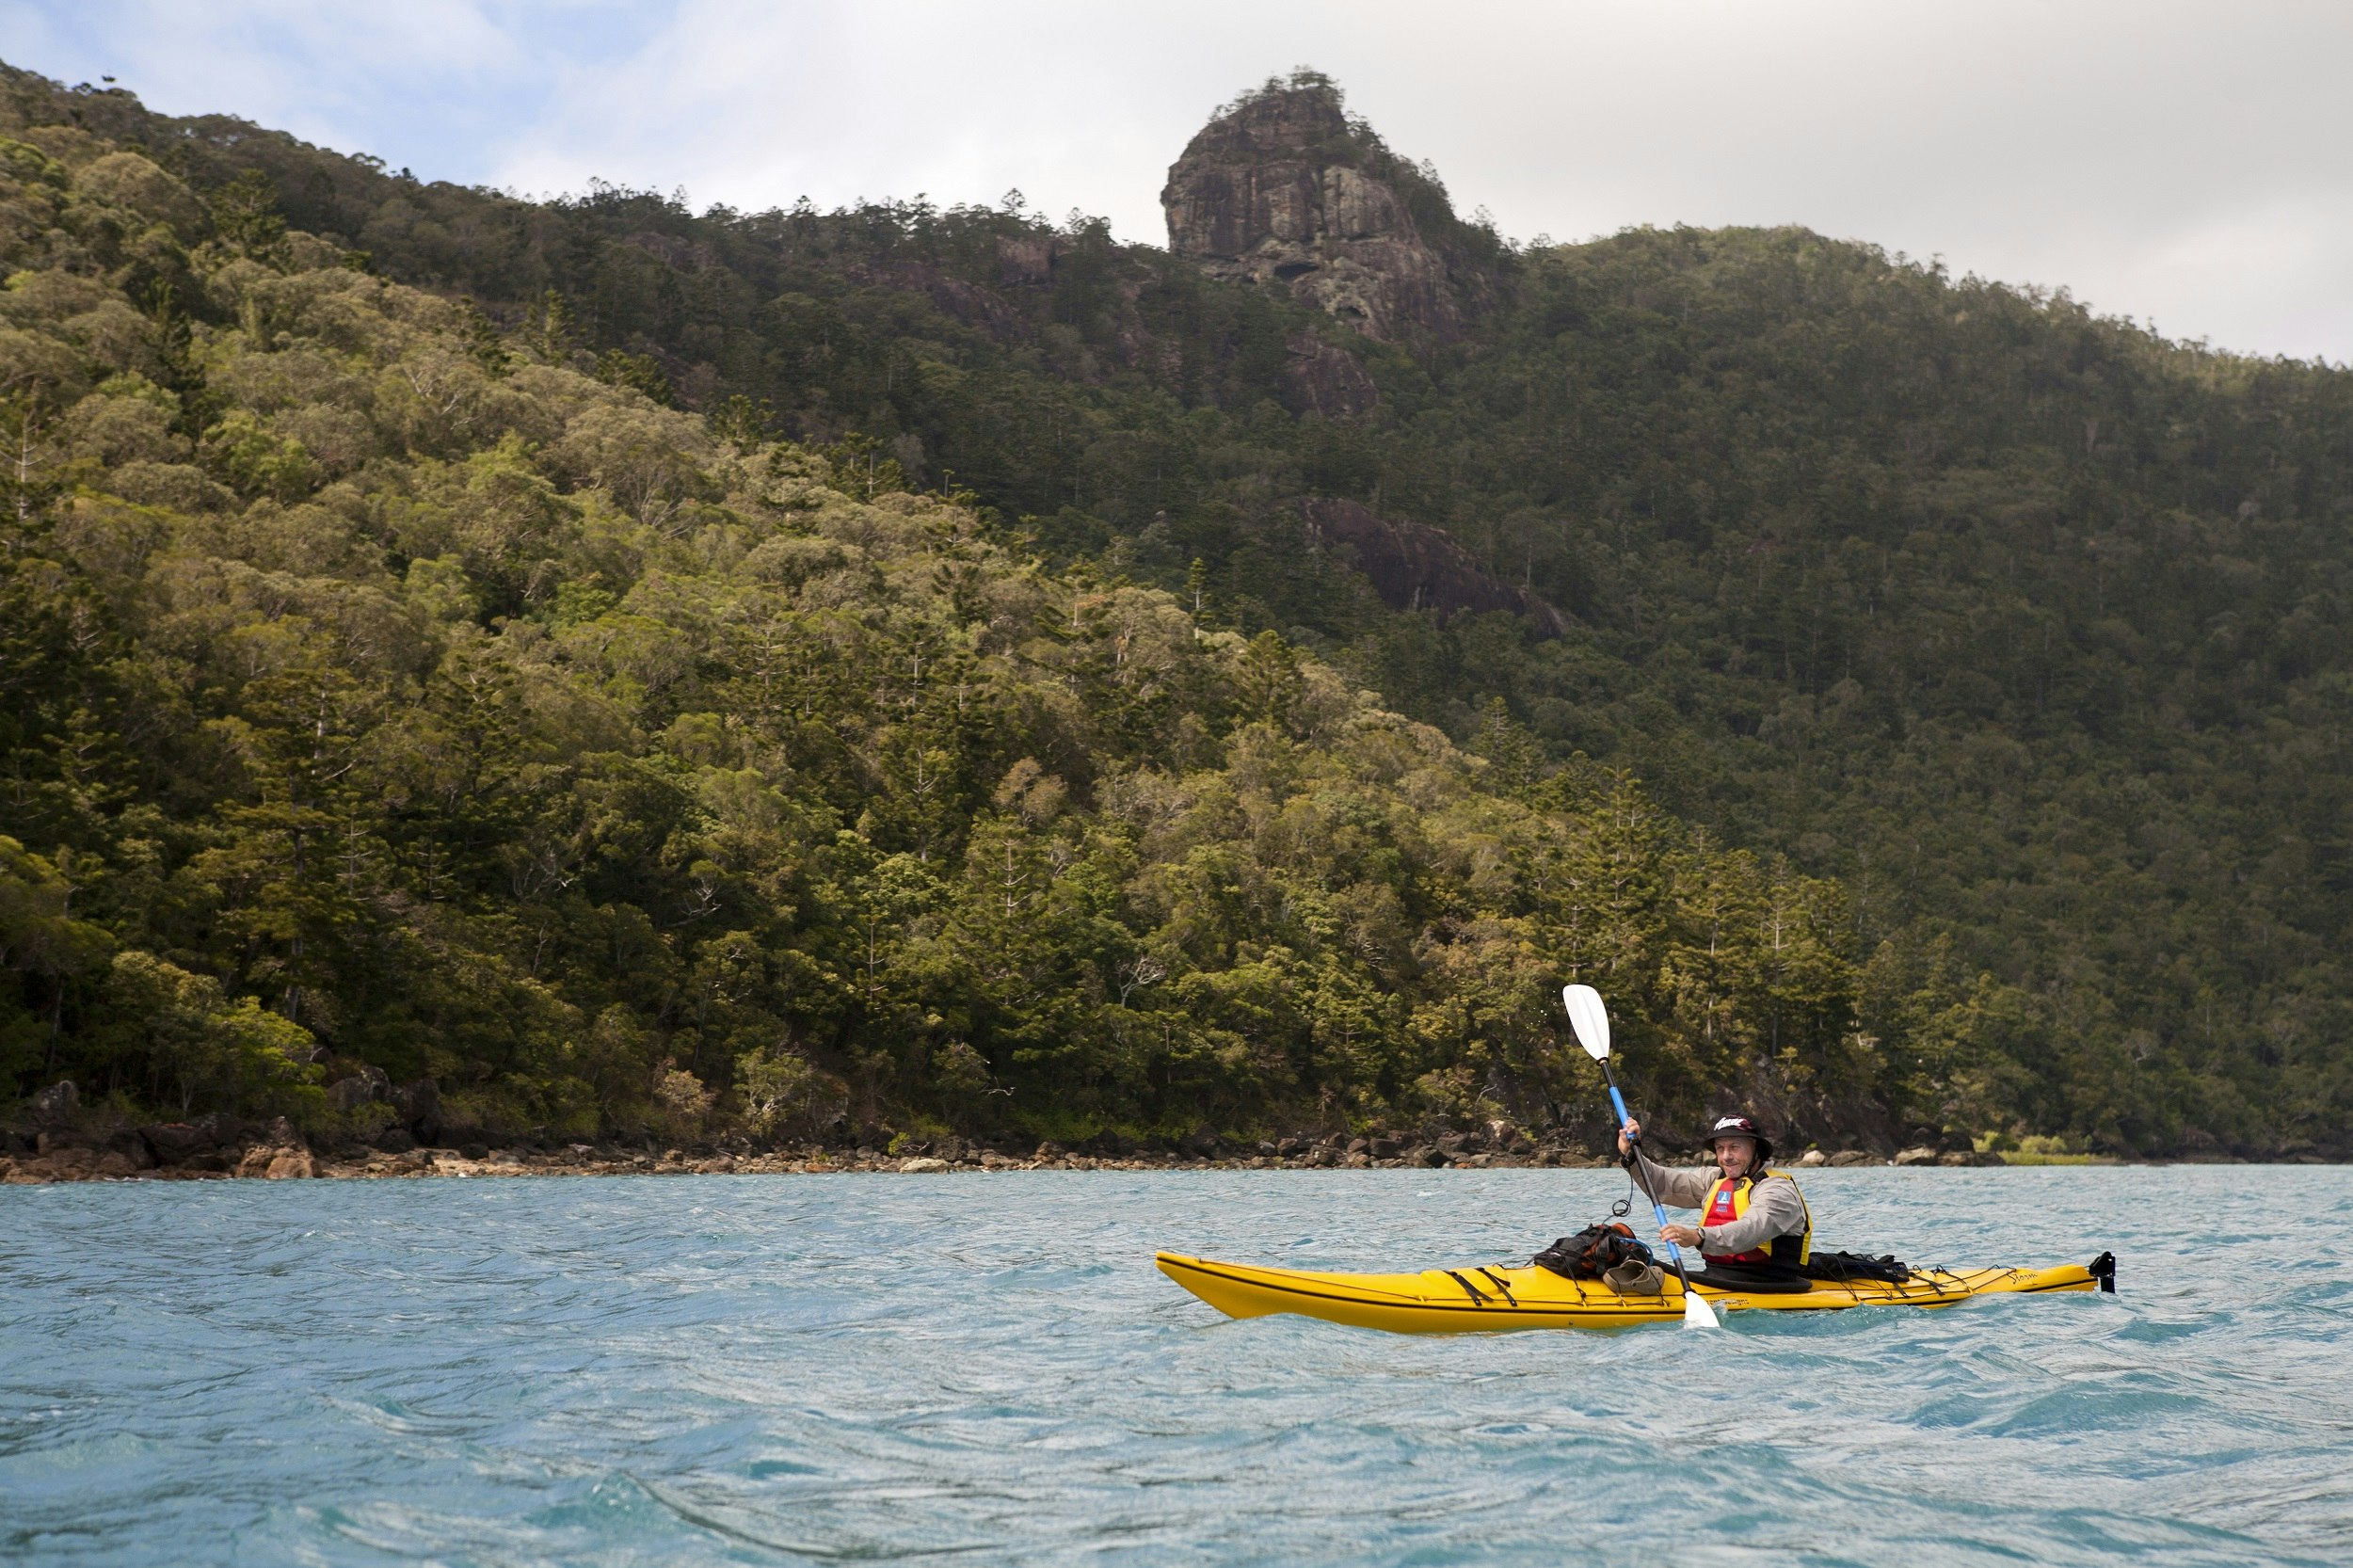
(1617, 1102)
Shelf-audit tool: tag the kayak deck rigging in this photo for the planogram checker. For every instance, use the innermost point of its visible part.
(1485, 1299)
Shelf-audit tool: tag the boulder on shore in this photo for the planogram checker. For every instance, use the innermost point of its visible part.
(173, 1143)
(69, 1163)
(419, 1106)
(278, 1162)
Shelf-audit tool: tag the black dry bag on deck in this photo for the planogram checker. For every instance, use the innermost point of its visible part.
(1593, 1251)
(1841, 1265)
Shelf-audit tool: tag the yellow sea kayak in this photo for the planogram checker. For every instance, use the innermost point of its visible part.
(1484, 1299)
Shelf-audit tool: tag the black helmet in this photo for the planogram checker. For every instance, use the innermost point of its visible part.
(1740, 1126)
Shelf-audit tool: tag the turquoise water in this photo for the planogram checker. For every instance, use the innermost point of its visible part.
(987, 1369)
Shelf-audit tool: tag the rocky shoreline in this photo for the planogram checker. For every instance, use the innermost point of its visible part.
(193, 1152)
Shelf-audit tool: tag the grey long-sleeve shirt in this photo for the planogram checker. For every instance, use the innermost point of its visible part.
(1775, 1207)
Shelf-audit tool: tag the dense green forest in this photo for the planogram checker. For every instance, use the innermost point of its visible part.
(803, 672)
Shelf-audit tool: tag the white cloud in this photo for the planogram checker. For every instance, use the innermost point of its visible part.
(424, 82)
(2171, 161)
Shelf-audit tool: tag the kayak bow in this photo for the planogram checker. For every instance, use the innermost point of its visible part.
(1485, 1300)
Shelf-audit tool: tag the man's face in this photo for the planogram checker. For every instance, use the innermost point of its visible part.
(1736, 1155)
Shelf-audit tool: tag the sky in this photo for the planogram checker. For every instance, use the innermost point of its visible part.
(2187, 166)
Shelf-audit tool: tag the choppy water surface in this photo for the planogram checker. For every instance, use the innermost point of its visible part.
(798, 1369)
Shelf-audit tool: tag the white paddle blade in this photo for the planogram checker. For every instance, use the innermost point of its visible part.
(1697, 1313)
(1589, 1017)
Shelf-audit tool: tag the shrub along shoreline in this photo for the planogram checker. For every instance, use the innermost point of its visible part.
(215, 1150)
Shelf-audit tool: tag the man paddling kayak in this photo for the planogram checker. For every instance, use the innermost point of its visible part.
(1754, 1226)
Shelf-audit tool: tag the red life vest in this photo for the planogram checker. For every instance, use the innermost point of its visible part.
(1728, 1200)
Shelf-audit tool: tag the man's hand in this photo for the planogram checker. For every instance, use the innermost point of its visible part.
(1626, 1135)
(1682, 1235)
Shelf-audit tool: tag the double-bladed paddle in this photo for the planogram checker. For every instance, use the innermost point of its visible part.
(1590, 1020)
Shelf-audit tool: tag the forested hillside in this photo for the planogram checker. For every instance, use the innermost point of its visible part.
(909, 668)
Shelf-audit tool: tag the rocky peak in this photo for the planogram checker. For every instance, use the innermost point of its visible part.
(1284, 187)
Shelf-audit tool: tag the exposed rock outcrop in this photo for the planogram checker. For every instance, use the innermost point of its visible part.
(1325, 379)
(1028, 260)
(55, 1105)
(1284, 187)
(965, 302)
(358, 1084)
(1416, 567)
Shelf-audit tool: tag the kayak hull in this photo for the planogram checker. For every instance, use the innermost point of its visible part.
(1492, 1299)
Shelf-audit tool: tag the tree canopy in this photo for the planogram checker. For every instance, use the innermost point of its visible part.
(803, 671)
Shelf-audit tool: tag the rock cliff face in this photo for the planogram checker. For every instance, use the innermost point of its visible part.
(1326, 380)
(1283, 188)
(1414, 567)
